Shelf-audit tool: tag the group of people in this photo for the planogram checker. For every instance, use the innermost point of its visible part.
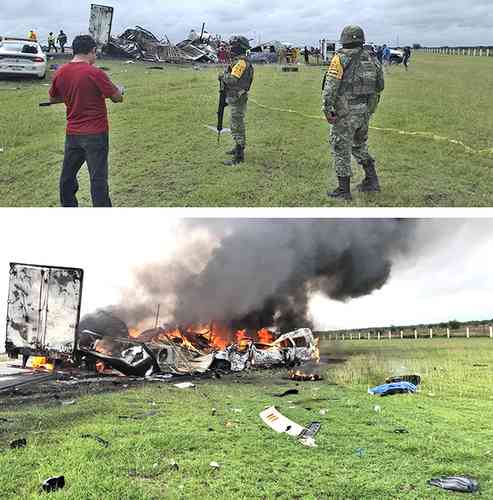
(313, 52)
(353, 85)
(288, 55)
(53, 40)
(384, 55)
(61, 39)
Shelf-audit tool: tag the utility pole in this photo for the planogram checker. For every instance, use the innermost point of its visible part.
(157, 316)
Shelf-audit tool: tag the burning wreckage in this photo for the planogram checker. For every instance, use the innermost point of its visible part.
(43, 322)
(193, 351)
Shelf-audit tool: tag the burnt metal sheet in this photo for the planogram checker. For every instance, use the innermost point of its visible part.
(139, 43)
(100, 23)
(43, 309)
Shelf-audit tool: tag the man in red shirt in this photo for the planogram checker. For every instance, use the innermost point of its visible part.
(84, 88)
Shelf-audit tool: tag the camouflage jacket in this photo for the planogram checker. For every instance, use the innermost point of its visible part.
(238, 78)
(354, 76)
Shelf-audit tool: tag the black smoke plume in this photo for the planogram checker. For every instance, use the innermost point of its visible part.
(258, 273)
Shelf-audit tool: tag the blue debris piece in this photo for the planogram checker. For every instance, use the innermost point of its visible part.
(391, 389)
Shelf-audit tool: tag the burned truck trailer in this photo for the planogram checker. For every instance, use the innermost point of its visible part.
(43, 311)
(100, 23)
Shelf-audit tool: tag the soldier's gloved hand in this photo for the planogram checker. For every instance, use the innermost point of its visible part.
(121, 88)
(220, 78)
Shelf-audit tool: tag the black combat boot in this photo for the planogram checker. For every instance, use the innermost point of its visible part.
(238, 156)
(371, 183)
(343, 192)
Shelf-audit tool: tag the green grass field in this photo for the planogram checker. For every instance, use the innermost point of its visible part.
(449, 424)
(162, 154)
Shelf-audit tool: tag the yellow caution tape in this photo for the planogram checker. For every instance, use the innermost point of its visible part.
(427, 135)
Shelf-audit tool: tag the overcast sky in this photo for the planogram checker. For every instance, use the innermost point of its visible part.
(452, 280)
(435, 22)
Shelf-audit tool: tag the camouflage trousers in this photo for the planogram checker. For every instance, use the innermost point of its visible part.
(238, 108)
(349, 137)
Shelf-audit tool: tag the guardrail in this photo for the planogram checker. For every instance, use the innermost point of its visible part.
(460, 51)
(431, 333)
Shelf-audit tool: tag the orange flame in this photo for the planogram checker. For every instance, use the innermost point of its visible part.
(42, 363)
(265, 336)
(214, 336)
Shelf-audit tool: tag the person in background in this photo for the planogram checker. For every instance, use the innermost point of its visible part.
(407, 56)
(84, 88)
(386, 55)
(307, 55)
(62, 41)
(32, 36)
(380, 54)
(51, 42)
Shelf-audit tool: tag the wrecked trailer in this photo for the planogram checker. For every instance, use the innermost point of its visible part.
(100, 23)
(43, 311)
(141, 44)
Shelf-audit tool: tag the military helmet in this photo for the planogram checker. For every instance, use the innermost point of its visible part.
(241, 42)
(352, 34)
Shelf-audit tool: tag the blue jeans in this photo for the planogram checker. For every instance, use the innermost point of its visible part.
(93, 150)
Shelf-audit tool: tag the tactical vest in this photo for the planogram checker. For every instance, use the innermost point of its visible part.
(246, 81)
(361, 76)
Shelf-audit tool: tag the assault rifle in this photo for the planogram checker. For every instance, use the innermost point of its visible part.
(220, 112)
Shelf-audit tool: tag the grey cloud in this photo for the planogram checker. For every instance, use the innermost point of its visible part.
(437, 22)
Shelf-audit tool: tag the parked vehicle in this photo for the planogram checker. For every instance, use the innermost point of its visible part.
(396, 56)
(22, 57)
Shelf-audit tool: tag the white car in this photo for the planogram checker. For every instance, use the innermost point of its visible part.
(20, 56)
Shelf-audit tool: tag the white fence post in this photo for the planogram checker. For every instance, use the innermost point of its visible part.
(402, 335)
(351, 336)
(416, 334)
(431, 333)
(491, 332)
(359, 336)
(468, 333)
(343, 337)
(379, 336)
(448, 333)
(390, 335)
(369, 336)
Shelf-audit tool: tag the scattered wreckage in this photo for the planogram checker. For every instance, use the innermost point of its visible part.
(141, 44)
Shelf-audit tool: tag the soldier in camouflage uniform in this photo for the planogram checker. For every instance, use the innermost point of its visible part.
(351, 95)
(238, 79)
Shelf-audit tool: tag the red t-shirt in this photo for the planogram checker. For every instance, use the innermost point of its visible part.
(84, 89)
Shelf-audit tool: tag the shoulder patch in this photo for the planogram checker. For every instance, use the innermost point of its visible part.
(239, 69)
(336, 68)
